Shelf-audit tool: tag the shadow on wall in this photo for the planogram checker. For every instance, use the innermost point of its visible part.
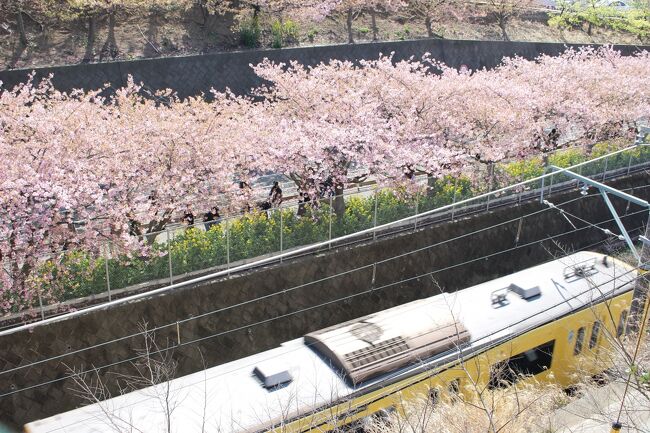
(193, 75)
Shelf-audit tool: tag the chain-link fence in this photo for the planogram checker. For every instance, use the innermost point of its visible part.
(181, 252)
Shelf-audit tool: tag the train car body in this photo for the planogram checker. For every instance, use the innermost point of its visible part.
(548, 322)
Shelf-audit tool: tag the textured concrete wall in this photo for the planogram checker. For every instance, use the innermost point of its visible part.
(515, 243)
(192, 75)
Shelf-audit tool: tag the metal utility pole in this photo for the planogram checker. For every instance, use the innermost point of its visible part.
(642, 284)
(640, 295)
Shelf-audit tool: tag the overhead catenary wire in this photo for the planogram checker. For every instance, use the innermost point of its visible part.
(320, 280)
(310, 248)
(396, 374)
(315, 247)
(284, 291)
(62, 313)
(197, 340)
(564, 213)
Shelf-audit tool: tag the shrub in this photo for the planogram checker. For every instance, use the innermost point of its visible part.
(359, 215)
(283, 33)
(403, 34)
(249, 32)
(525, 169)
(444, 191)
(311, 34)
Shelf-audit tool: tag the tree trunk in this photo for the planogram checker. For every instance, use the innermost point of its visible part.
(431, 185)
(110, 46)
(90, 43)
(21, 27)
(339, 201)
(427, 23)
(502, 25)
(373, 18)
(491, 170)
(640, 294)
(348, 23)
(204, 13)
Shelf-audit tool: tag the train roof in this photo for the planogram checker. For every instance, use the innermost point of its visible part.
(307, 373)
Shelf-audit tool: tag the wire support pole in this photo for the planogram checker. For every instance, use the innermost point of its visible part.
(639, 338)
(602, 186)
(620, 225)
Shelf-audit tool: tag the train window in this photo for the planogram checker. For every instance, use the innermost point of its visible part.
(620, 330)
(595, 330)
(454, 387)
(528, 363)
(434, 396)
(580, 339)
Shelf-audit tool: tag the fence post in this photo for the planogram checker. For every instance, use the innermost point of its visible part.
(605, 168)
(329, 245)
(374, 222)
(453, 200)
(281, 224)
(417, 203)
(40, 302)
(491, 181)
(228, 245)
(169, 257)
(629, 163)
(108, 277)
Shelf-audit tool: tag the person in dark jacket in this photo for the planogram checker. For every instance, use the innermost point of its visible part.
(275, 196)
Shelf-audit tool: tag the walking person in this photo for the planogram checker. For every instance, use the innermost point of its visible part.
(211, 217)
(188, 218)
(275, 196)
(245, 194)
(303, 199)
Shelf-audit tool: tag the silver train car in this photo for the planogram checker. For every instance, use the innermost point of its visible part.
(556, 314)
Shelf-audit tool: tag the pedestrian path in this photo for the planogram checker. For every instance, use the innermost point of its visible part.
(597, 409)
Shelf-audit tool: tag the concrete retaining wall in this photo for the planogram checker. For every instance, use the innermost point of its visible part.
(459, 254)
(193, 75)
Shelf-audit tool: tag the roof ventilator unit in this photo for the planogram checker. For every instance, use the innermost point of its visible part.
(272, 377)
(528, 293)
(374, 345)
(500, 297)
(580, 270)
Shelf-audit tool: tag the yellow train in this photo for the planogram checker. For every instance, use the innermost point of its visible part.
(545, 321)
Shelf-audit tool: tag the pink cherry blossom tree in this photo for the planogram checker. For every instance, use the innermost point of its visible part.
(87, 170)
(83, 169)
(391, 118)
